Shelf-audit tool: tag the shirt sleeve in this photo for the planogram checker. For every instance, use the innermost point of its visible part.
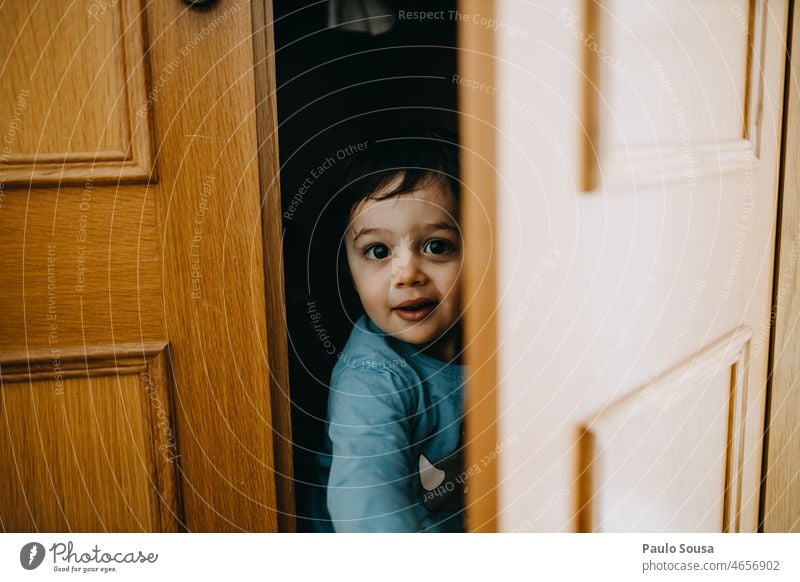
(370, 488)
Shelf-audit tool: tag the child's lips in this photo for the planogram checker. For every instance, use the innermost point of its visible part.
(415, 309)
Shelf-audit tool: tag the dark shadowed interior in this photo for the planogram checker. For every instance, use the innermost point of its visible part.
(335, 88)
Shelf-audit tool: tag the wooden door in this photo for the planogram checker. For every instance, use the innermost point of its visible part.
(139, 389)
(624, 161)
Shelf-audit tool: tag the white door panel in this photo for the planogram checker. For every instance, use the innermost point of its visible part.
(642, 275)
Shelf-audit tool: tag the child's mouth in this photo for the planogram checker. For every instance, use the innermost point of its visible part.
(415, 310)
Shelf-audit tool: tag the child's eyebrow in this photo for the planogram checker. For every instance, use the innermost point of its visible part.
(367, 231)
(431, 226)
(440, 226)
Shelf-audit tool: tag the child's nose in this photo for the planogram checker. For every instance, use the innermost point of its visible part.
(407, 273)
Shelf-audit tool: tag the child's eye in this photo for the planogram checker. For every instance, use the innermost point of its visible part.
(438, 246)
(376, 252)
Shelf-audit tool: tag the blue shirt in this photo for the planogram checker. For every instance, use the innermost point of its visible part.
(392, 460)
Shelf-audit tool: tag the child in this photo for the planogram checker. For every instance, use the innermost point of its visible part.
(392, 459)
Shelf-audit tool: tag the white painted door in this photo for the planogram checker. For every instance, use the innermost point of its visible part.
(637, 148)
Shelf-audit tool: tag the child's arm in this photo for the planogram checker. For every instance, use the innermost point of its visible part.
(370, 484)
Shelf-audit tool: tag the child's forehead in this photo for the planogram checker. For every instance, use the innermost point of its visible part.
(406, 212)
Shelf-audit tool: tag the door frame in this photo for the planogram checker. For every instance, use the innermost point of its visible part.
(779, 504)
(266, 114)
(477, 128)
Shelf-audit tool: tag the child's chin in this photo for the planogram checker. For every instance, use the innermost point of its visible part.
(417, 337)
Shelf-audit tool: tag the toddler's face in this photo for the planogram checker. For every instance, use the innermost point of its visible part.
(405, 258)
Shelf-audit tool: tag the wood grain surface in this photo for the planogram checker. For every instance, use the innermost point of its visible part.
(99, 277)
(477, 135)
(781, 495)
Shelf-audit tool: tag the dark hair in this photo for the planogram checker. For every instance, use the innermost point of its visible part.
(420, 156)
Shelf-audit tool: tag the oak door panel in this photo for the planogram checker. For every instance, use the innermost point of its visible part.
(131, 217)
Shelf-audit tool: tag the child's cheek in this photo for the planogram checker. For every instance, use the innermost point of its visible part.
(456, 272)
